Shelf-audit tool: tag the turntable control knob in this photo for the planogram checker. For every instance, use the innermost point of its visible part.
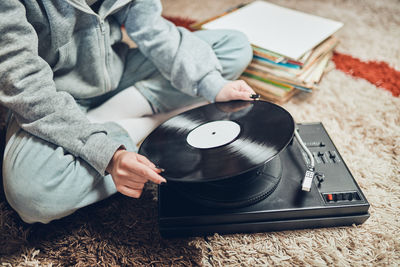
(320, 177)
(334, 157)
(332, 154)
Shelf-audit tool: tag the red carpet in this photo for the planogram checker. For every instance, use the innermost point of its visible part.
(183, 22)
(378, 73)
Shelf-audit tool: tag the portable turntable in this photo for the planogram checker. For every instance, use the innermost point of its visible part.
(245, 166)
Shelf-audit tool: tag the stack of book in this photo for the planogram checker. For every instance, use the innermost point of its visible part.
(277, 77)
(291, 49)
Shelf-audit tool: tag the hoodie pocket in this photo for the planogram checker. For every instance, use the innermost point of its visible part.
(67, 57)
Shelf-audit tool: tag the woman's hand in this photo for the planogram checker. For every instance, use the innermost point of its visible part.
(235, 90)
(130, 171)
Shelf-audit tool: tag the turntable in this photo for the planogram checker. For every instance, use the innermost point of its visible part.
(245, 166)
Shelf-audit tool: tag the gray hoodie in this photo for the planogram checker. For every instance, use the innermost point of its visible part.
(53, 53)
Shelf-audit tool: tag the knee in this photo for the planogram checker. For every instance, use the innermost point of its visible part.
(240, 53)
(43, 183)
(243, 47)
(35, 179)
(30, 199)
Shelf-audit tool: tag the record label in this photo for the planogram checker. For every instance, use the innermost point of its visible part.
(213, 134)
(219, 140)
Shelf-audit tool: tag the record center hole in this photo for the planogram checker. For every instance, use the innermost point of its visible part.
(213, 133)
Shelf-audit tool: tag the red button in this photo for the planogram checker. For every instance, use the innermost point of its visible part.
(330, 197)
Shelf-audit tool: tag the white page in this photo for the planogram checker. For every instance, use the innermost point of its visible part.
(284, 31)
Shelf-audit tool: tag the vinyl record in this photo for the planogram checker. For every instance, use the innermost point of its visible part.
(218, 141)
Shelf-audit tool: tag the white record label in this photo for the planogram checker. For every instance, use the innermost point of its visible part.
(213, 134)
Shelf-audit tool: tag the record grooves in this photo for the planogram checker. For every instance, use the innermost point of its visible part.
(219, 141)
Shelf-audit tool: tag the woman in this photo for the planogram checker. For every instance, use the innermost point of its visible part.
(80, 99)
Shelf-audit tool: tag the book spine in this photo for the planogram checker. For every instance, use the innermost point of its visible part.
(282, 64)
(260, 86)
(281, 85)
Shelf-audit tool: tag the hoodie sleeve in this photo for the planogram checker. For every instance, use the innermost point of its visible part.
(183, 58)
(28, 90)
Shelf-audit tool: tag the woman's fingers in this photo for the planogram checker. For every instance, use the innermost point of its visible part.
(143, 173)
(235, 90)
(135, 193)
(130, 171)
(150, 164)
(145, 161)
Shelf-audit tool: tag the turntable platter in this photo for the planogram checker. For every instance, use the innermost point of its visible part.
(236, 192)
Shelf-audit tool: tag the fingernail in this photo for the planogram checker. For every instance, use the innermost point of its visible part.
(161, 169)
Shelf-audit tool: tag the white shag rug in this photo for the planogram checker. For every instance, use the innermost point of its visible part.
(363, 121)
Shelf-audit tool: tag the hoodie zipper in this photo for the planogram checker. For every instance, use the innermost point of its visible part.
(103, 51)
(103, 38)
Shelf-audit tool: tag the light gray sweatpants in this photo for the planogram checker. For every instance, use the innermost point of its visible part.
(43, 182)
